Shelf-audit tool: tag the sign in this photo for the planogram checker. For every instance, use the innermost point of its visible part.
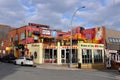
(90, 45)
(35, 45)
(45, 31)
(54, 34)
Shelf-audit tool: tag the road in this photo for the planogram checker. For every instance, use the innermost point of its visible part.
(14, 72)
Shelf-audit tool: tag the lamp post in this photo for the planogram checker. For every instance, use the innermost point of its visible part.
(70, 63)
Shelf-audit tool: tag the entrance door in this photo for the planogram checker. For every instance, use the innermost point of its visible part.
(54, 56)
(65, 56)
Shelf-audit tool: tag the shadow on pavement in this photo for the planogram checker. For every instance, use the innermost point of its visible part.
(111, 71)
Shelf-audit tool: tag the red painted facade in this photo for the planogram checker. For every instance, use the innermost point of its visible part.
(41, 33)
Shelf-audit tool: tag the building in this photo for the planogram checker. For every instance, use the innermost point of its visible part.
(4, 29)
(113, 47)
(53, 46)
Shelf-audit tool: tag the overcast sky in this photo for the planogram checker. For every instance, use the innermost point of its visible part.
(58, 13)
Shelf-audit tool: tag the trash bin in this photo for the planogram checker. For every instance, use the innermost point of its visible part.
(79, 65)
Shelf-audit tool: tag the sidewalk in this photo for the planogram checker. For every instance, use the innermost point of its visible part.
(55, 67)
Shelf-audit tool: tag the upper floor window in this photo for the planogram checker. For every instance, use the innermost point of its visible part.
(2, 43)
(16, 37)
(114, 40)
(22, 36)
(11, 38)
(117, 40)
(110, 39)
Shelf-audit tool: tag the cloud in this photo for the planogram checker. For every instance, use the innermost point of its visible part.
(57, 13)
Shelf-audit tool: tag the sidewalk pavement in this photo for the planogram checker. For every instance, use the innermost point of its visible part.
(55, 67)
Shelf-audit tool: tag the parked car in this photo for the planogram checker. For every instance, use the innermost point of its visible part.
(24, 61)
(119, 70)
(8, 58)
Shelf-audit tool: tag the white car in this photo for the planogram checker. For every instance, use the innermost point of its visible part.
(24, 61)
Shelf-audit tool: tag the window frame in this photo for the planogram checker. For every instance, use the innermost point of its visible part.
(98, 58)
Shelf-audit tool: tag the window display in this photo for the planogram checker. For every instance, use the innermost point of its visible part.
(86, 56)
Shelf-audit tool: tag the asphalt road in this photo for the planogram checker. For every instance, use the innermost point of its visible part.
(14, 72)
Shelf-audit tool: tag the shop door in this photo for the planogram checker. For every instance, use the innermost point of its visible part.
(65, 56)
(54, 55)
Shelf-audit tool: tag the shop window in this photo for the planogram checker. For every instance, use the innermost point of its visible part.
(98, 56)
(86, 56)
(113, 56)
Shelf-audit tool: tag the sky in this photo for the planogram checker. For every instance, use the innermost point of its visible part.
(58, 13)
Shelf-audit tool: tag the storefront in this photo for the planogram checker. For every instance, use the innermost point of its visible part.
(65, 54)
(91, 55)
(112, 59)
(36, 50)
(50, 54)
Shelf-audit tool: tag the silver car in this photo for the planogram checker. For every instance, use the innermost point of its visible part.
(24, 61)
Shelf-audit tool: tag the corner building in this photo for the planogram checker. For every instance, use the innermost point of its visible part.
(53, 46)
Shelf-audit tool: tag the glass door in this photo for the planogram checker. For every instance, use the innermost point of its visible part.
(65, 56)
(54, 55)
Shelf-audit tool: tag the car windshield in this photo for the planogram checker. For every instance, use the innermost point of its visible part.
(29, 59)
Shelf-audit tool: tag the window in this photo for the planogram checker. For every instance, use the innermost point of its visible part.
(86, 56)
(2, 43)
(16, 37)
(98, 56)
(113, 40)
(116, 40)
(110, 39)
(119, 40)
(112, 56)
(11, 38)
(22, 36)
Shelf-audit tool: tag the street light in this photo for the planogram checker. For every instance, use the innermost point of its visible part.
(70, 64)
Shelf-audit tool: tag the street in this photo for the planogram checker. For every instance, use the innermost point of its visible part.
(15, 72)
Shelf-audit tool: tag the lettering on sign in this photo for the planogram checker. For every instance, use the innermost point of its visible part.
(47, 32)
(100, 46)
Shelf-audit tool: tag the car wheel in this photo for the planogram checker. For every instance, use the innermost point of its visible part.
(21, 63)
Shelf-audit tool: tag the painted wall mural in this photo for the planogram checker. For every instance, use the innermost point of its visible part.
(95, 35)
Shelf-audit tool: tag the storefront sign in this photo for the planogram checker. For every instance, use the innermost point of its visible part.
(90, 45)
(54, 34)
(35, 45)
(45, 31)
